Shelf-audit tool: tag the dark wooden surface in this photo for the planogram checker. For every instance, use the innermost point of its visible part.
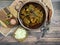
(52, 36)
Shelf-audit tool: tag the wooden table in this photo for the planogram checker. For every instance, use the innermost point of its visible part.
(51, 37)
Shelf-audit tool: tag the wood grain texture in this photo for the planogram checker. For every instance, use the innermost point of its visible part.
(52, 36)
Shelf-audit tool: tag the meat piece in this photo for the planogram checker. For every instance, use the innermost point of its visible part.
(13, 22)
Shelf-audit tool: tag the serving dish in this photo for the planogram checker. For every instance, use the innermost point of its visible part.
(35, 3)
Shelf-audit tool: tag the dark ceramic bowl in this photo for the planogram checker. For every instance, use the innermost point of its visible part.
(38, 4)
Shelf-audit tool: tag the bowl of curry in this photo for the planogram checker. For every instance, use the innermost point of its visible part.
(32, 15)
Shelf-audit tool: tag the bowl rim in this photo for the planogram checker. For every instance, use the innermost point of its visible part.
(42, 4)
